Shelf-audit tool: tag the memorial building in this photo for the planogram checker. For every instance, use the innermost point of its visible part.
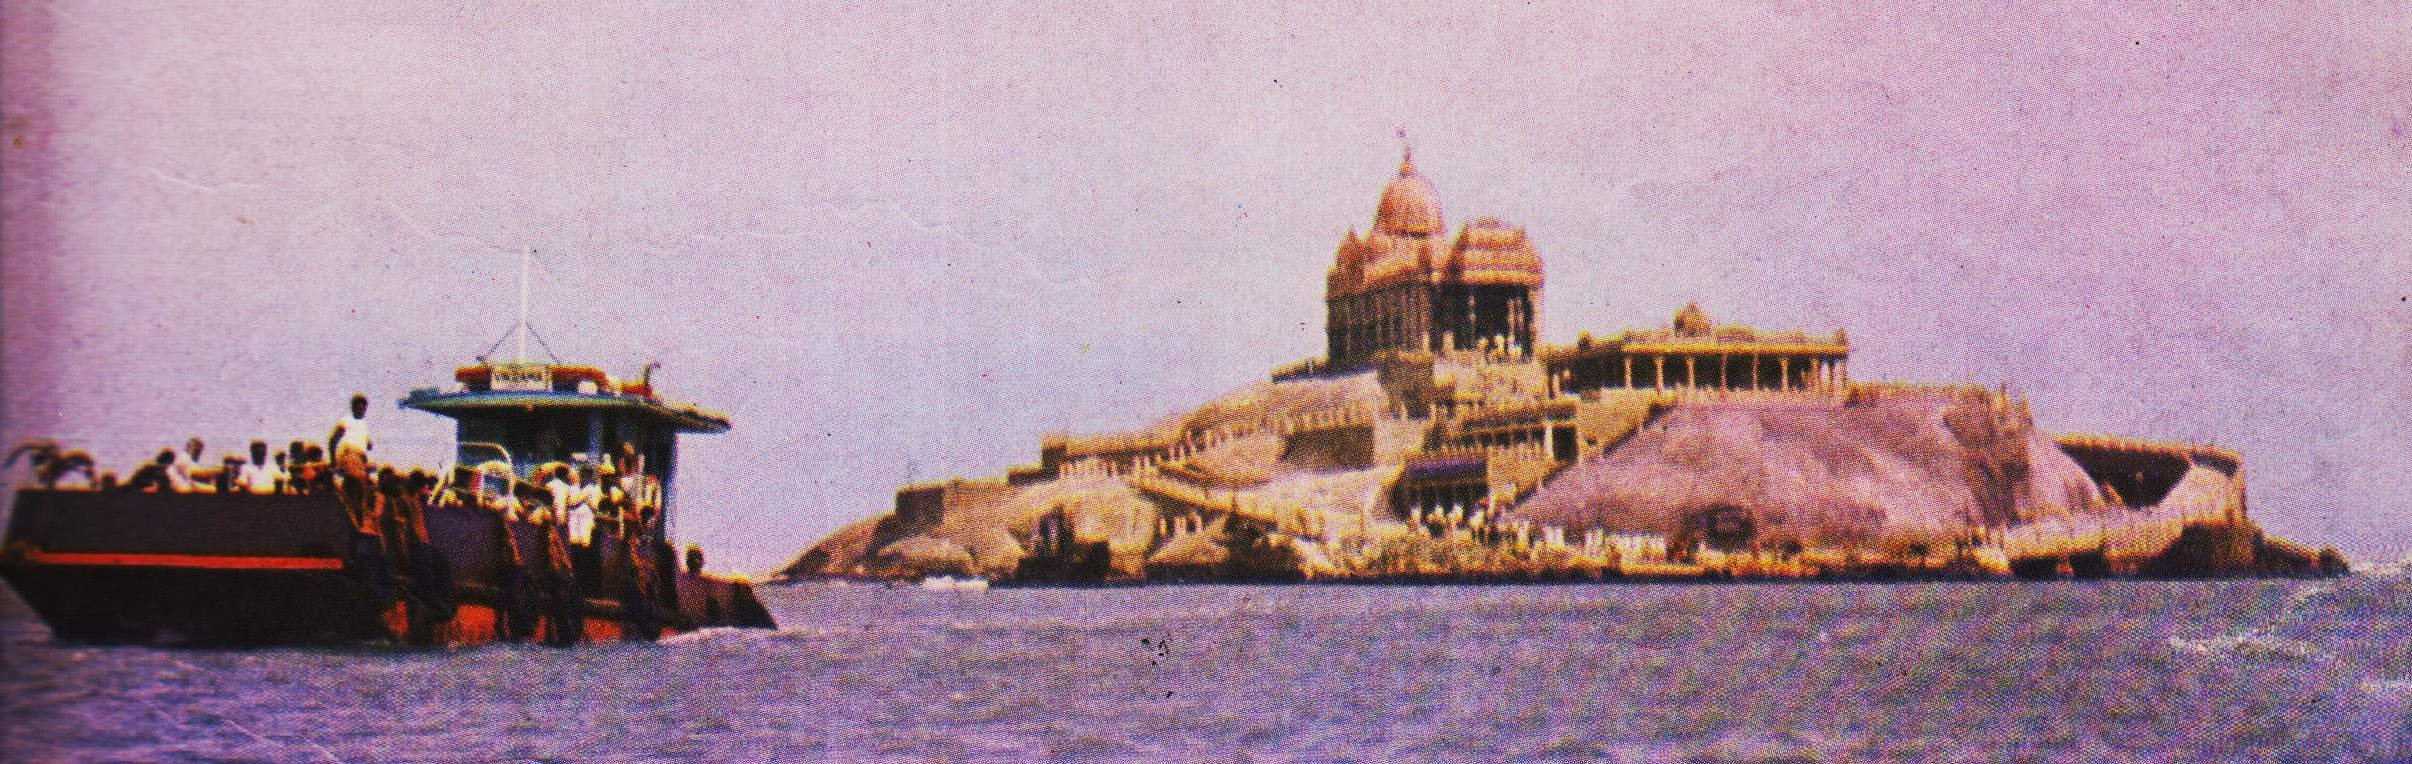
(1407, 285)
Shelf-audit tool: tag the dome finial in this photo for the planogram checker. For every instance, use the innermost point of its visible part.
(1408, 205)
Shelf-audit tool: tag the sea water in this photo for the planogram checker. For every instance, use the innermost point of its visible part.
(2266, 670)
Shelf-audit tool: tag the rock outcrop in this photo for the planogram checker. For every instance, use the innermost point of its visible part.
(1322, 477)
(1912, 469)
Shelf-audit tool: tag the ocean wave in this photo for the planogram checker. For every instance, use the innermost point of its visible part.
(2260, 642)
(2251, 645)
(723, 635)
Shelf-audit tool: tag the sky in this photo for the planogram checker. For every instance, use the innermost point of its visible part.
(901, 243)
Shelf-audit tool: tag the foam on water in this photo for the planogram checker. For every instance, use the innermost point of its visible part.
(2259, 641)
(2252, 645)
(728, 634)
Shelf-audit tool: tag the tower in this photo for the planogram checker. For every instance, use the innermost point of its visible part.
(1404, 287)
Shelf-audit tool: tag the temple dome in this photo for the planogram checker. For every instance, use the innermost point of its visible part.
(1691, 320)
(1409, 206)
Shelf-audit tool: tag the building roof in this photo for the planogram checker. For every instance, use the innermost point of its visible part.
(556, 388)
(684, 418)
(1403, 246)
(1409, 206)
(1488, 251)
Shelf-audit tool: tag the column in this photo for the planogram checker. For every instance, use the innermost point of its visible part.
(1628, 370)
(1662, 370)
(1469, 335)
(1691, 371)
(1515, 322)
(594, 437)
(1784, 372)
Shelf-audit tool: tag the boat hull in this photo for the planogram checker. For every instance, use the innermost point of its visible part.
(239, 569)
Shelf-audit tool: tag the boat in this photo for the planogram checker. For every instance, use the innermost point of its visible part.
(410, 557)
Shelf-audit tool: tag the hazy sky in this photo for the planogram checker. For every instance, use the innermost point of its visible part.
(902, 242)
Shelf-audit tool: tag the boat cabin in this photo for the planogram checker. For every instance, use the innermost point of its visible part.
(531, 415)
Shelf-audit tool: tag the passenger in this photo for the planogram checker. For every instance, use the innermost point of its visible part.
(230, 474)
(187, 464)
(562, 489)
(579, 517)
(524, 500)
(611, 503)
(557, 557)
(179, 472)
(423, 485)
(315, 477)
(388, 487)
(290, 463)
(159, 476)
(628, 461)
(461, 489)
(350, 444)
(413, 490)
(590, 488)
(551, 497)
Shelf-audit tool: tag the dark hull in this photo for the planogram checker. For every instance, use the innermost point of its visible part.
(149, 568)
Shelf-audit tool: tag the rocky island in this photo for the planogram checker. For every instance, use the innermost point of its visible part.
(1435, 440)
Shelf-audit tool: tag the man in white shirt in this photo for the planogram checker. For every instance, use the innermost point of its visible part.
(565, 491)
(259, 476)
(581, 520)
(177, 480)
(180, 473)
(350, 444)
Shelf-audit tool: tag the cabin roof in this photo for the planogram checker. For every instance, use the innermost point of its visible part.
(495, 403)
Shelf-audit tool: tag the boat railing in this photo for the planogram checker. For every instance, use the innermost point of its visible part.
(498, 447)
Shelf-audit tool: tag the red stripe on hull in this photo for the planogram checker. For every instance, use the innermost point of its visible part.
(602, 630)
(470, 625)
(215, 562)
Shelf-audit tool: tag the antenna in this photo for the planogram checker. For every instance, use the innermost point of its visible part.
(524, 259)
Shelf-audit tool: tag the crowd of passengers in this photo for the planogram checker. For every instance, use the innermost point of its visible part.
(298, 468)
(616, 493)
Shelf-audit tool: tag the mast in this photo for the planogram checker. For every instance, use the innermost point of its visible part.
(524, 258)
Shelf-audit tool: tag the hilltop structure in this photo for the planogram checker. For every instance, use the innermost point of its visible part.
(1435, 438)
(1400, 287)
